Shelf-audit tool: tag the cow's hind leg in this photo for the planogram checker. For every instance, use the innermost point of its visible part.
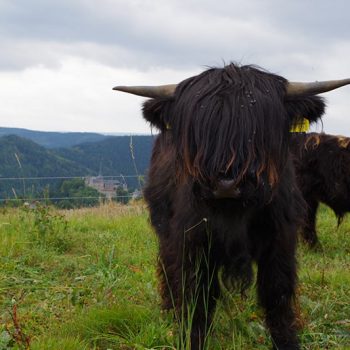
(276, 290)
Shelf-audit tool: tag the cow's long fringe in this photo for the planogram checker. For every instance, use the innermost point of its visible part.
(220, 121)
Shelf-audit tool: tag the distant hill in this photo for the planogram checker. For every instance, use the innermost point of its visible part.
(20, 157)
(53, 139)
(113, 156)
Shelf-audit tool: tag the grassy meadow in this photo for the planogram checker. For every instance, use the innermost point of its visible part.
(85, 279)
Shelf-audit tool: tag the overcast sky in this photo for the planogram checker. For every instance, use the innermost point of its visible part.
(59, 59)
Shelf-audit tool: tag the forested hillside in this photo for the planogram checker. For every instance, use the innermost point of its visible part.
(22, 158)
(112, 156)
(53, 139)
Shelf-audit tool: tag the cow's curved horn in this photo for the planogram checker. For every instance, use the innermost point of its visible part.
(317, 87)
(149, 91)
(293, 88)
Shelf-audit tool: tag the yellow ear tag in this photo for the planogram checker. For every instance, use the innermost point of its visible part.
(167, 125)
(303, 126)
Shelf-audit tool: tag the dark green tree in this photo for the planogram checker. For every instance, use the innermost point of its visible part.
(75, 194)
(122, 196)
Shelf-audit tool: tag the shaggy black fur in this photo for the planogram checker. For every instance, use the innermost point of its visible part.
(322, 165)
(230, 123)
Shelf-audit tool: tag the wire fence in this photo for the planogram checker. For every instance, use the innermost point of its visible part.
(40, 195)
(57, 198)
(69, 177)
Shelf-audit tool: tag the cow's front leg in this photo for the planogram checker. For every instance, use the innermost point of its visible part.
(309, 228)
(200, 290)
(189, 284)
(276, 290)
(203, 292)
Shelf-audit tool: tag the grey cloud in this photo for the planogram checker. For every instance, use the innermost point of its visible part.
(142, 34)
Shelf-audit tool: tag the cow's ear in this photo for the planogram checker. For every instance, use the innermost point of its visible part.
(156, 111)
(309, 107)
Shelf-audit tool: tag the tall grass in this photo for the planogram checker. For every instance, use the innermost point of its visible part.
(97, 288)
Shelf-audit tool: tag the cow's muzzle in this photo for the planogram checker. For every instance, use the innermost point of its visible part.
(226, 188)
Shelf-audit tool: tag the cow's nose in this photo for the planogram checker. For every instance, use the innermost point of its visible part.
(226, 188)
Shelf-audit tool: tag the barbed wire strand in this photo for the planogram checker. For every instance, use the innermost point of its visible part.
(2, 200)
(61, 198)
(66, 177)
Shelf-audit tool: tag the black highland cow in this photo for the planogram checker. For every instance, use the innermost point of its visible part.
(322, 164)
(222, 191)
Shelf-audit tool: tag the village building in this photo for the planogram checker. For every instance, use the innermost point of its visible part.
(107, 186)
